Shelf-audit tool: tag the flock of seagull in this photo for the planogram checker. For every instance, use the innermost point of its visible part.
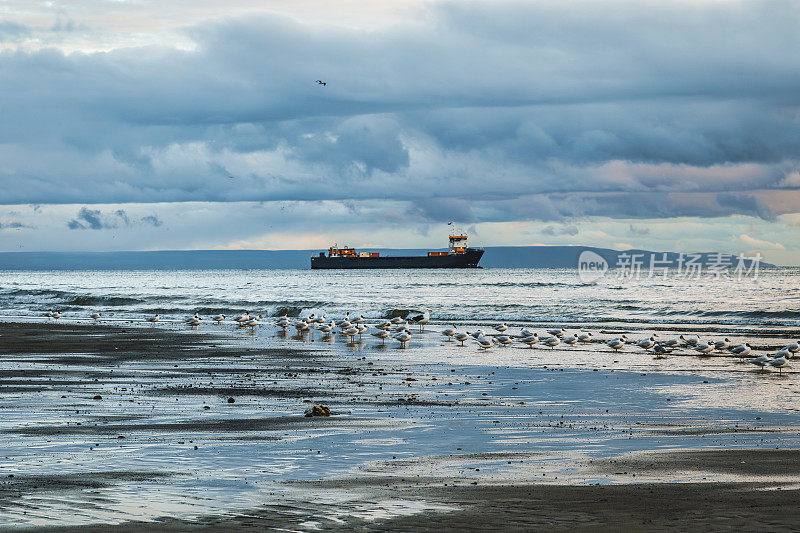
(399, 329)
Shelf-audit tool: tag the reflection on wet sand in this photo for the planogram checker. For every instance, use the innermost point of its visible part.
(143, 416)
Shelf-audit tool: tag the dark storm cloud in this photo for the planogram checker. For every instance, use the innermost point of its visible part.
(563, 230)
(371, 141)
(89, 219)
(123, 216)
(442, 210)
(14, 225)
(745, 204)
(564, 207)
(97, 220)
(680, 130)
(152, 220)
(483, 110)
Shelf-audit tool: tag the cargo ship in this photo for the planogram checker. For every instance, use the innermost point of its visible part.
(458, 255)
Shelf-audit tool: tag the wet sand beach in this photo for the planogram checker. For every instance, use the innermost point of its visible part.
(109, 427)
(642, 507)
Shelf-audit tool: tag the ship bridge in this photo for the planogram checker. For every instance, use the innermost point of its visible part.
(458, 244)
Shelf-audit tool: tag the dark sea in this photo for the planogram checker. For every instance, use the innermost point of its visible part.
(772, 298)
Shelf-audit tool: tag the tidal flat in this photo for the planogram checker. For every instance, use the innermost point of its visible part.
(114, 426)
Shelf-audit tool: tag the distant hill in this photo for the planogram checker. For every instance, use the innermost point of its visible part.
(495, 257)
(567, 257)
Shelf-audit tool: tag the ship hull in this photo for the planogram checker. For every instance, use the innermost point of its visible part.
(468, 259)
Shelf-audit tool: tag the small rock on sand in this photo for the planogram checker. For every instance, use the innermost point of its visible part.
(318, 410)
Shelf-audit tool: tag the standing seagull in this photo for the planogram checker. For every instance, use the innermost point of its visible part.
(779, 363)
(743, 350)
(690, 341)
(351, 332)
(503, 340)
(400, 327)
(647, 343)
(783, 352)
(671, 343)
(723, 344)
(449, 332)
(483, 343)
(705, 349)
(301, 326)
(422, 319)
(252, 323)
(616, 344)
(403, 337)
(460, 337)
(345, 320)
(95, 316)
(660, 351)
(761, 360)
(530, 340)
(552, 342)
(382, 334)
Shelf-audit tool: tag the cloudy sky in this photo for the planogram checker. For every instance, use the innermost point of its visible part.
(139, 125)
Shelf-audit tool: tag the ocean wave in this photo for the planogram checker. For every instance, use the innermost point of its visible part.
(93, 301)
(287, 310)
(628, 307)
(532, 284)
(50, 293)
(395, 313)
(503, 284)
(257, 303)
(759, 313)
